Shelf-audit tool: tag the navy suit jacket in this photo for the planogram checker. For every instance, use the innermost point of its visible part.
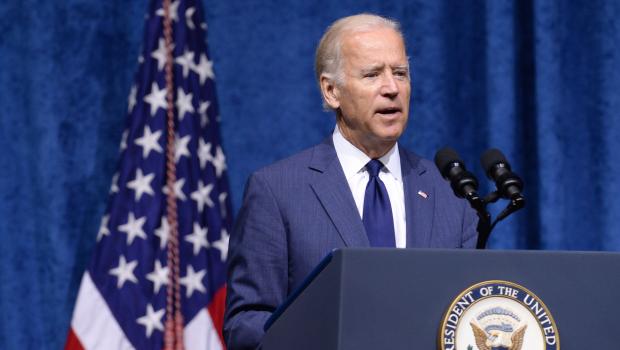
(296, 211)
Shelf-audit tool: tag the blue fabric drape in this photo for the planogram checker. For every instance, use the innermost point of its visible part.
(537, 79)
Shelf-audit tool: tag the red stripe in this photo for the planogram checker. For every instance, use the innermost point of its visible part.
(73, 343)
(216, 310)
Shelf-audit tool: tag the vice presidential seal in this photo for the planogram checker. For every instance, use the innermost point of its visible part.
(494, 315)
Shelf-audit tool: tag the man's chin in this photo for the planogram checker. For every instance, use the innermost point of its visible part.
(392, 129)
(391, 134)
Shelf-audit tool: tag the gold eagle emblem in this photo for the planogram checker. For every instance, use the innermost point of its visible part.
(485, 341)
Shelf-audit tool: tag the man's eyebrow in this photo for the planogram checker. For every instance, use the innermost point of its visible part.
(373, 68)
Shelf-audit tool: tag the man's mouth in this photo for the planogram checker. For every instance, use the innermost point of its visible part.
(389, 111)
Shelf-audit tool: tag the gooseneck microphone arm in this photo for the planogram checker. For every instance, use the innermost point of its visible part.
(465, 185)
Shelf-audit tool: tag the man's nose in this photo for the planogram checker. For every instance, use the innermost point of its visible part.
(389, 87)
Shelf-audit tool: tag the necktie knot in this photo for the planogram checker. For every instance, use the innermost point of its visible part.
(374, 167)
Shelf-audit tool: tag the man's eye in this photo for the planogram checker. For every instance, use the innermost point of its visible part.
(371, 75)
(400, 73)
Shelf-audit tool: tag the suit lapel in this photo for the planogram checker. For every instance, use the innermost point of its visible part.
(332, 190)
(419, 200)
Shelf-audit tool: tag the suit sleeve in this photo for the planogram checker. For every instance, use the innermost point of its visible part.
(257, 267)
(470, 227)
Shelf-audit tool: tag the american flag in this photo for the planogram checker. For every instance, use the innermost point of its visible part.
(122, 299)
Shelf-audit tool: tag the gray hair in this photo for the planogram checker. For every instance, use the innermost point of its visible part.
(328, 58)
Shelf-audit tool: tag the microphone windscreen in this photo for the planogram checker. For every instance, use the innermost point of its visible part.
(446, 156)
(491, 157)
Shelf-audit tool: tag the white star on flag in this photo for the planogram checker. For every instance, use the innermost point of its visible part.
(157, 98)
(124, 140)
(160, 54)
(202, 110)
(202, 195)
(141, 184)
(124, 272)
(103, 228)
(198, 238)
(114, 187)
(159, 276)
(219, 162)
(149, 142)
(163, 232)
(193, 281)
(188, 17)
(222, 199)
(204, 69)
(186, 61)
(133, 228)
(204, 153)
(152, 320)
(174, 11)
(180, 147)
(222, 244)
(178, 189)
(184, 103)
(131, 101)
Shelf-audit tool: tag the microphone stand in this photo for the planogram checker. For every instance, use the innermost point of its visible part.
(485, 225)
(484, 229)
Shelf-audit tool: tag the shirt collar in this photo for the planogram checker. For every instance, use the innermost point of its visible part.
(353, 160)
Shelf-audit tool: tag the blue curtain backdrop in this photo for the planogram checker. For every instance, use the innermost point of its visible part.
(538, 79)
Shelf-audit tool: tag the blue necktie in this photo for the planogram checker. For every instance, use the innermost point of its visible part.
(377, 209)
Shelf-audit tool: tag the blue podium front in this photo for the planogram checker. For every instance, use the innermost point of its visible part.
(453, 299)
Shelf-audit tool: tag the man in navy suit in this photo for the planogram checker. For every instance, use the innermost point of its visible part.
(296, 211)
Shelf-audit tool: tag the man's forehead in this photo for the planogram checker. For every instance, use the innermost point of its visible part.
(371, 36)
(375, 47)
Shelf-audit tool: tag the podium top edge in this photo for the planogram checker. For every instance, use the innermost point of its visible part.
(346, 251)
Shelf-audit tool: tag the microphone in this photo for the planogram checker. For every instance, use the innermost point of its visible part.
(508, 184)
(463, 183)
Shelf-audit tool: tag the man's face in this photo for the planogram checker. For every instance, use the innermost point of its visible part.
(374, 98)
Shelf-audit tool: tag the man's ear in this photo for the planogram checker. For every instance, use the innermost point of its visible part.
(330, 91)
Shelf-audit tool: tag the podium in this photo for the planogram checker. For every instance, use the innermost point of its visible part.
(360, 298)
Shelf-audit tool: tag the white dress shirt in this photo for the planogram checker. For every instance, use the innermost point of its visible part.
(353, 162)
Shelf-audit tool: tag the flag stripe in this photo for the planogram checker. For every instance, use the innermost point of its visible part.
(216, 310)
(93, 323)
(73, 343)
(201, 334)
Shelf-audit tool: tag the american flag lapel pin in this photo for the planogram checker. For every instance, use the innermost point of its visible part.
(422, 194)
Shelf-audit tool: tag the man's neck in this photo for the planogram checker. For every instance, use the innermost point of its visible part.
(374, 150)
